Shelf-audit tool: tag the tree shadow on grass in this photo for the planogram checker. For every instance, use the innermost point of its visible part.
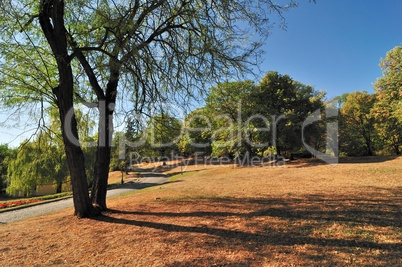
(182, 172)
(271, 239)
(311, 162)
(152, 174)
(371, 211)
(368, 159)
(312, 209)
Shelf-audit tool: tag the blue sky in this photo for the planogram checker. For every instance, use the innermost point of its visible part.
(334, 45)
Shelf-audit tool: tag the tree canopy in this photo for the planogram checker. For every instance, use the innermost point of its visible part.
(388, 108)
(6, 154)
(389, 86)
(37, 163)
(358, 131)
(241, 117)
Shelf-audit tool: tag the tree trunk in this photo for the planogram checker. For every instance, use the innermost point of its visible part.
(397, 151)
(51, 19)
(59, 186)
(101, 175)
(368, 147)
(82, 203)
(247, 144)
(105, 134)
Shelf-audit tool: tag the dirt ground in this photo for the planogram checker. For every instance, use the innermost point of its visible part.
(301, 213)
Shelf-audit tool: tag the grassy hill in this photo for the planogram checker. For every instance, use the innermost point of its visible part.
(302, 213)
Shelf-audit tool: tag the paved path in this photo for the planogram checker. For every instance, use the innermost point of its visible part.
(147, 179)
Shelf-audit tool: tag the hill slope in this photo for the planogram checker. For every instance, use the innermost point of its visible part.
(303, 213)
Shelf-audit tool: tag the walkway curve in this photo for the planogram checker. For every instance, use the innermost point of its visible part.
(147, 179)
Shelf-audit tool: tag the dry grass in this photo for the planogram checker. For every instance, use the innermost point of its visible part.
(304, 213)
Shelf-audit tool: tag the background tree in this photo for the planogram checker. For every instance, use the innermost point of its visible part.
(6, 154)
(158, 138)
(197, 133)
(37, 163)
(228, 106)
(136, 133)
(350, 144)
(279, 95)
(248, 118)
(164, 132)
(358, 134)
(388, 107)
(115, 159)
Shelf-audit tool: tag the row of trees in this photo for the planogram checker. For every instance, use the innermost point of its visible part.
(241, 117)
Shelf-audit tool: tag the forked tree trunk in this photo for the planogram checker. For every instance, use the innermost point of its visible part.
(51, 19)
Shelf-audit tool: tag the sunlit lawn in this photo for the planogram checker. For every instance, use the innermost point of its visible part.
(304, 213)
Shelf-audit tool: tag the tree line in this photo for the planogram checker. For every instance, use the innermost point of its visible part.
(267, 118)
(238, 118)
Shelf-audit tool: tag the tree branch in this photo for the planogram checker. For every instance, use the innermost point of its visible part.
(87, 68)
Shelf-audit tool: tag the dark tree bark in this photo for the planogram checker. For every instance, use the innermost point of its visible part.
(368, 146)
(51, 18)
(99, 186)
(105, 134)
(102, 161)
(396, 149)
(367, 140)
(59, 187)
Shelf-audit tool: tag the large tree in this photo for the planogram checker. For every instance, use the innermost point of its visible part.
(248, 118)
(229, 106)
(37, 163)
(388, 108)
(88, 51)
(287, 103)
(6, 154)
(357, 124)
